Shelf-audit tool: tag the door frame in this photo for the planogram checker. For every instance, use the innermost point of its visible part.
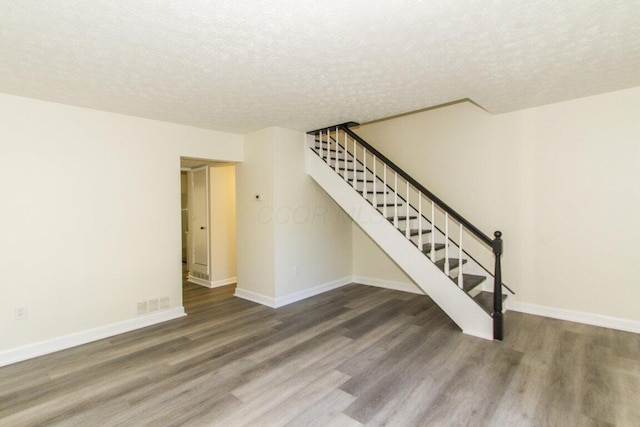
(192, 275)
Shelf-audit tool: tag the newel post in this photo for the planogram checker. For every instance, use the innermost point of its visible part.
(497, 288)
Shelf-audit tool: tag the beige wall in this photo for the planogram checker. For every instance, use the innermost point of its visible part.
(294, 239)
(222, 222)
(370, 262)
(255, 235)
(312, 233)
(561, 182)
(90, 218)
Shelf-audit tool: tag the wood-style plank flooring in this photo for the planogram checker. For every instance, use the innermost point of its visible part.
(350, 357)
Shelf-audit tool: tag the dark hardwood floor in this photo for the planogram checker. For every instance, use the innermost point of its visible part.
(350, 357)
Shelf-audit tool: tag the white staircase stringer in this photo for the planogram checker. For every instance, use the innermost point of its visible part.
(468, 315)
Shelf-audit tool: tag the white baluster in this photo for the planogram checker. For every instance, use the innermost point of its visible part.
(407, 222)
(375, 179)
(384, 187)
(395, 201)
(346, 151)
(336, 144)
(446, 242)
(419, 220)
(433, 232)
(354, 162)
(460, 276)
(364, 173)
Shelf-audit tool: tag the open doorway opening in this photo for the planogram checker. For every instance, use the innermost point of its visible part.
(184, 219)
(208, 230)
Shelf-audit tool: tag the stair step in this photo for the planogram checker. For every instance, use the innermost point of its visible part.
(341, 168)
(426, 248)
(361, 180)
(382, 205)
(331, 150)
(402, 218)
(453, 263)
(371, 191)
(415, 231)
(470, 281)
(485, 300)
(340, 159)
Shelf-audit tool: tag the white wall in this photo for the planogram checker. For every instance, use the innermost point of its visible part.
(223, 223)
(561, 182)
(90, 218)
(373, 267)
(255, 233)
(295, 239)
(312, 233)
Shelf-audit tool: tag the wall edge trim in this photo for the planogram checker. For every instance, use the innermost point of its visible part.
(292, 297)
(316, 290)
(255, 297)
(586, 318)
(212, 284)
(52, 345)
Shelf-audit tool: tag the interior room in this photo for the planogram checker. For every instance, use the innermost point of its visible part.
(323, 214)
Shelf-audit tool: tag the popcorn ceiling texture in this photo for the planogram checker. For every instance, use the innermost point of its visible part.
(245, 65)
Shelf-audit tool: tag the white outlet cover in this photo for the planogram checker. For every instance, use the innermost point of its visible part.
(164, 302)
(143, 307)
(20, 312)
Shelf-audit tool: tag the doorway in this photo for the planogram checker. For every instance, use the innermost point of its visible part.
(208, 223)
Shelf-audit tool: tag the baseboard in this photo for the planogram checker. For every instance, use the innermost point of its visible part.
(224, 282)
(578, 316)
(388, 284)
(214, 284)
(294, 297)
(52, 345)
(316, 290)
(255, 297)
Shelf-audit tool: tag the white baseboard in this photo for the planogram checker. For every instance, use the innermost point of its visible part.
(52, 345)
(224, 282)
(214, 284)
(316, 290)
(578, 316)
(388, 284)
(294, 297)
(255, 297)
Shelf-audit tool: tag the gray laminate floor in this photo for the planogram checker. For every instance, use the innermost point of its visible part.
(354, 356)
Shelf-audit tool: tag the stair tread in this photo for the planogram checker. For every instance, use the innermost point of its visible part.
(485, 300)
(350, 169)
(361, 180)
(331, 150)
(402, 218)
(453, 263)
(382, 205)
(470, 281)
(426, 248)
(415, 231)
(371, 191)
(340, 159)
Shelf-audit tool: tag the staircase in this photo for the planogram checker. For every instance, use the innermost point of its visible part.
(430, 241)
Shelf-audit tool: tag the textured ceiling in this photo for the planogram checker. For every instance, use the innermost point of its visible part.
(244, 65)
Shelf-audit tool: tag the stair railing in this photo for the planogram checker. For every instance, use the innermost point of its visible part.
(401, 194)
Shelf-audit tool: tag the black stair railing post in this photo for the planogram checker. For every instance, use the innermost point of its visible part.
(498, 332)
